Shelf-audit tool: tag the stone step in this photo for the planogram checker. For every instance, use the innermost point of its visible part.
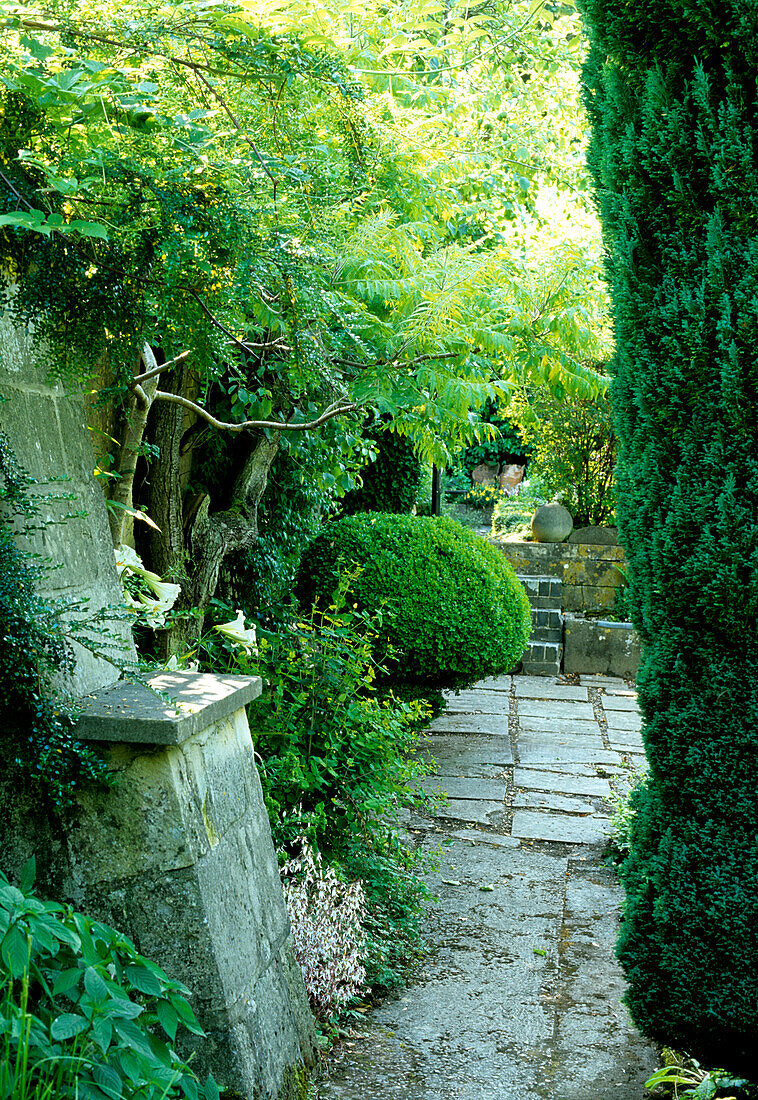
(545, 652)
(543, 659)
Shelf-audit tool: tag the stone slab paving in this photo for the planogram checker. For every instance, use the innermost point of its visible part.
(468, 754)
(562, 828)
(472, 787)
(520, 996)
(551, 726)
(532, 779)
(623, 720)
(620, 702)
(555, 710)
(474, 702)
(489, 724)
(546, 800)
(543, 687)
(535, 750)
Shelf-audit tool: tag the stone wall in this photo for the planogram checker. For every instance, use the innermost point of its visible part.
(590, 573)
(47, 430)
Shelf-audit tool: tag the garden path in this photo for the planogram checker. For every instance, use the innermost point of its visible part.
(520, 997)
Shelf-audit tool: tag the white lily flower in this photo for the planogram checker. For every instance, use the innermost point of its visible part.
(175, 664)
(127, 558)
(236, 632)
(166, 592)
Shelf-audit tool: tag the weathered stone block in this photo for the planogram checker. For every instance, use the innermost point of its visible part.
(178, 855)
(607, 648)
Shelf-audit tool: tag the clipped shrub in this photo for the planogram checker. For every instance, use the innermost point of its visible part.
(83, 1016)
(452, 608)
(671, 96)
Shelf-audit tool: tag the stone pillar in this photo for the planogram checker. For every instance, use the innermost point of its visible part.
(178, 856)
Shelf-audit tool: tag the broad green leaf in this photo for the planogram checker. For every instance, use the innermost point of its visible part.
(67, 1026)
(14, 951)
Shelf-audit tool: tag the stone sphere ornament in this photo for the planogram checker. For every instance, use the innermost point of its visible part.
(552, 523)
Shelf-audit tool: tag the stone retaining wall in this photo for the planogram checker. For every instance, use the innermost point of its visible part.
(590, 573)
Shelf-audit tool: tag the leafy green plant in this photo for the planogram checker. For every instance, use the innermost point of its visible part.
(451, 607)
(336, 765)
(82, 1014)
(391, 482)
(481, 497)
(625, 788)
(573, 449)
(683, 1076)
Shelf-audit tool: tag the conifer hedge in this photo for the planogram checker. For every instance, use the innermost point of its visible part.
(671, 91)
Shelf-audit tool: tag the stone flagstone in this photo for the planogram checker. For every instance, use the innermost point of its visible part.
(536, 750)
(471, 788)
(473, 702)
(620, 702)
(542, 800)
(556, 708)
(554, 726)
(619, 720)
(543, 687)
(467, 754)
(561, 782)
(490, 724)
(534, 825)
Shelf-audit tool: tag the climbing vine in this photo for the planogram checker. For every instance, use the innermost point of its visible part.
(39, 746)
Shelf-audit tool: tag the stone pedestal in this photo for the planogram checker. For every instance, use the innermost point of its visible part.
(178, 855)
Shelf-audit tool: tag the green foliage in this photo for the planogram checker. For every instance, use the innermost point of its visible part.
(682, 1076)
(333, 752)
(674, 161)
(82, 1014)
(39, 746)
(573, 450)
(452, 609)
(336, 765)
(505, 447)
(513, 514)
(391, 482)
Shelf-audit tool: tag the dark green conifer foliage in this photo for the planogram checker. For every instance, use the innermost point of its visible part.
(671, 90)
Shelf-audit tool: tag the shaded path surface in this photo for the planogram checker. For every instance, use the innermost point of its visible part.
(520, 998)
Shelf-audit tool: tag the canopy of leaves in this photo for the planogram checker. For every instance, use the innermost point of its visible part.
(311, 200)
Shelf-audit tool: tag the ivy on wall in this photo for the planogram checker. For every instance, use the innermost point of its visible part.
(38, 739)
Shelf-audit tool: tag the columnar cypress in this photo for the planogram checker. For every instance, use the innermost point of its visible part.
(671, 91)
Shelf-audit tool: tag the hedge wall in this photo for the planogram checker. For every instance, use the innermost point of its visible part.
(671, 92)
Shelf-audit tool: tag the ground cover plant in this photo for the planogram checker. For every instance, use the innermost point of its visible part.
(671, 96)
(83, 1016)
(452, 609)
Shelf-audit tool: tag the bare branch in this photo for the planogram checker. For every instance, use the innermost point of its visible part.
(249, 425)
(238, 127)
(159, 370)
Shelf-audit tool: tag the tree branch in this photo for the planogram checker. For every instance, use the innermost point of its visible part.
(227, 332)
(159, 370)
(248, 425)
